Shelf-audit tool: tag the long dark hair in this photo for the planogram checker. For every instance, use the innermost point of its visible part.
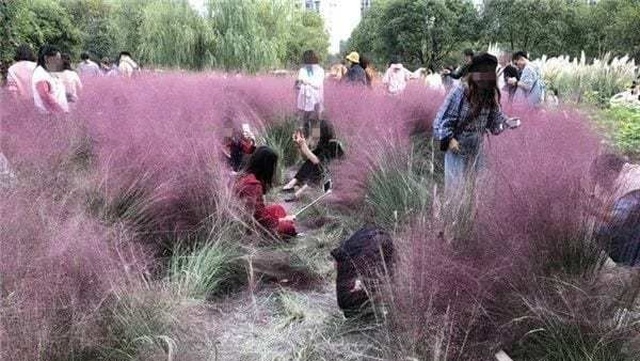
(262, 165)
(24, 53)
(45, 51)
(483, 93)
(326, 133)
(66, 62)
(309, 57)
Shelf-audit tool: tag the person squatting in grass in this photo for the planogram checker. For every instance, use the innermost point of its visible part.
(469, 111)
(238, 145)
(49, 94)
(616, 200)
(313, 169)
(253, 183)
(310, 84)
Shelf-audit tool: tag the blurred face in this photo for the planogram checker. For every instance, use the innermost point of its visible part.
(521, 62)
(468, 59)
(504, 59)
(54, 63)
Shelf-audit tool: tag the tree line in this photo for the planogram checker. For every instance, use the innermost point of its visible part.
(433, 33)
(247, 35)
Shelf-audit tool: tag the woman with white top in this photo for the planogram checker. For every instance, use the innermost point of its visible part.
(126, 66)
(396, 77)
(70, 79)
(49, 94)
(19, 74)
(310, 85)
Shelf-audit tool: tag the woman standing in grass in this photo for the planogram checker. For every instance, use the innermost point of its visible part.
(310, 85)
(49, 94)
(19, 74)
(470, 111)
(70, 79)
(254, 183)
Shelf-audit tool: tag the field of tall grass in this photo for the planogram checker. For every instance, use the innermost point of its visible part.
(120, 238)
(594, 82)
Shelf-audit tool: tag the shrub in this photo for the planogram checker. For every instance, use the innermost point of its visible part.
(396, 191)
(200, 269)
(624, 124)
(595, 83)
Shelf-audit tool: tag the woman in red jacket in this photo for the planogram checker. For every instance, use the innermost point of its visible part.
(253, 183)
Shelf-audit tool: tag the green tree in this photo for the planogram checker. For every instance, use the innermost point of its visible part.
(535, 26)
(95, 20)
(306, 32)
(422, 32)
(620, 20)
(173, 34)
(128, 18)
(37, 22)
(251, 35)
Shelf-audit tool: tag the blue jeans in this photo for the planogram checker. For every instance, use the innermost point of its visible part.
(459, 169)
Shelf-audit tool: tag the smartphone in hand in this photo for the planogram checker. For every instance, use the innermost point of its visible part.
(327, 186)
(513, 123)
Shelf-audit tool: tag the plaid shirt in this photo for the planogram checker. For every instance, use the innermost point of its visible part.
(450, 120)
(531, 77)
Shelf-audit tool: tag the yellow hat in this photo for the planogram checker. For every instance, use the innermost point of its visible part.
(353, 57)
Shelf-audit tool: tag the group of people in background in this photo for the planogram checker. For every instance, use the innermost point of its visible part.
(471, 109)
(50, 80)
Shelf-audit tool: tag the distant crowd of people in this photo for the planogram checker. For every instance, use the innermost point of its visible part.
(51, 82)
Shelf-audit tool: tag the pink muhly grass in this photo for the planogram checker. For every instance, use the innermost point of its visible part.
(538, 183)
(373, 125)
(529, 223)
(56, 268)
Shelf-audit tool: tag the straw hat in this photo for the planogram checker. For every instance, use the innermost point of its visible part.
(353, 57)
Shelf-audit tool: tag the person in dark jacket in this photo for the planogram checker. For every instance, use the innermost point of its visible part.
(356, 74)
(312, 170)
(462, 70)
(363, 262)
(509, 71)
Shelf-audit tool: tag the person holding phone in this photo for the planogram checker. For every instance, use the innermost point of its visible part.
(251, 186)
(471, 110)
(312, 170)
(238, 145)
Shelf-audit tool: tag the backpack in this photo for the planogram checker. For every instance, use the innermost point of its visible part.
(363, 258)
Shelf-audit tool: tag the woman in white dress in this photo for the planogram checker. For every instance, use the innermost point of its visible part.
(310, 84)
